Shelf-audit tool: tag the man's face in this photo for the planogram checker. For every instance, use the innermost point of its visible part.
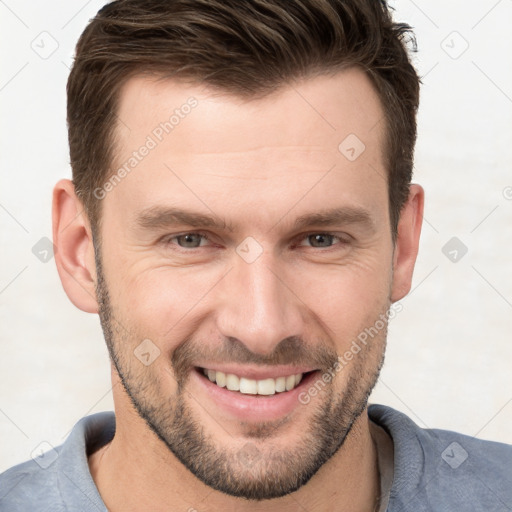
(269, 288)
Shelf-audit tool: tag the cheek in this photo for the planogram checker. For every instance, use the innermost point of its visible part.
(160, 302)
(347, 298)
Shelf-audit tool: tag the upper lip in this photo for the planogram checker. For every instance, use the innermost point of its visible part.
(257, 373)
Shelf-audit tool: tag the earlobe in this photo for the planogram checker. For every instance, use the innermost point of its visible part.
(407, 243)
(75, 251)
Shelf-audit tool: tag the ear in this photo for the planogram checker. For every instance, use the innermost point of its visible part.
(74, 256)
(407, 242)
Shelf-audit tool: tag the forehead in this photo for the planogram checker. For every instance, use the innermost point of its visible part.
(322, 138)
(328, 106)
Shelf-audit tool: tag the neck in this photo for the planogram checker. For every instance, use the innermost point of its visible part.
(136, 471)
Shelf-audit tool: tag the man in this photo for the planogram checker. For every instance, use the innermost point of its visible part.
(242, 219)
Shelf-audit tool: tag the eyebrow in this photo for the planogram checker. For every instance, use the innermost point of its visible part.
(336, 216)
(158, 217)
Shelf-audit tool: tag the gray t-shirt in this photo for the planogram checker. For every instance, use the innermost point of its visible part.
(433, 470)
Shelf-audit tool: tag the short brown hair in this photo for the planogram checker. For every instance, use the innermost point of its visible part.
(244, 47)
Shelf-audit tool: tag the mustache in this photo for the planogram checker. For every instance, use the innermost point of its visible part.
(292, 350)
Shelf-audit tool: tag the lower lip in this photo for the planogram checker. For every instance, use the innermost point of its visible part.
(254, 407)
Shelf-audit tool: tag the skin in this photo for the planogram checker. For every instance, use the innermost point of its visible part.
(259, 165)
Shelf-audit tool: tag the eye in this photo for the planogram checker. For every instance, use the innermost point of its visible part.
(188, 240)
(323, 240)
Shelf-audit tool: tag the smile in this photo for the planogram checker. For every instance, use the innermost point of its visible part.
(268, 386)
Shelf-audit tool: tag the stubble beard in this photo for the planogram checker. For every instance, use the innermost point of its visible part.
(252, 470)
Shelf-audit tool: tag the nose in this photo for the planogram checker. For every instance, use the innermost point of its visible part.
(258, 307)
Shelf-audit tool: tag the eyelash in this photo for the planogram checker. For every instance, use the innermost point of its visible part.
(342, 240)
(167, 240)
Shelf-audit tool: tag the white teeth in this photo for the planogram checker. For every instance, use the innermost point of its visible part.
(267, 387)
(232, 382)
(290, 382)
(221, 379)
(248, 386)
(253, 387)
(280, 384)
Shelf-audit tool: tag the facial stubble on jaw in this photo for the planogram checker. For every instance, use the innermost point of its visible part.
(257, 469)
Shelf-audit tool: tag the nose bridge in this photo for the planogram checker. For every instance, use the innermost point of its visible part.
(259, 309)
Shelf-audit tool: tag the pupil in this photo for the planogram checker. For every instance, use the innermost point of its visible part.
(190, 241)
(320, 240)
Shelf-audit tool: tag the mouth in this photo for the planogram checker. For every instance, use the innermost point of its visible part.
(262, 387)
(252, 400)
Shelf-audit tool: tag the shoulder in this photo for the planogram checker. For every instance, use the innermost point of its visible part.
(443, 470)
(28, 483)
(59, 480)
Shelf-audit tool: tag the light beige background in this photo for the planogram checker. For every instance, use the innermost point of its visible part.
(450, 349)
